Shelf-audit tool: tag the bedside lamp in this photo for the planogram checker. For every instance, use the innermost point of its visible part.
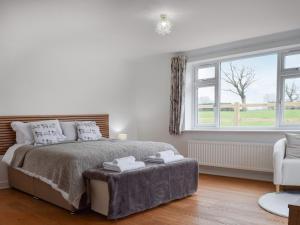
(122, 137)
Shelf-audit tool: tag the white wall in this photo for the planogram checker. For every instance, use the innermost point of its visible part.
(55, 62)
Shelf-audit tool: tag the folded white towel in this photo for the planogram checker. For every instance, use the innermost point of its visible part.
(174, 158)
(128, 159)
(123, 167)
(167, 153)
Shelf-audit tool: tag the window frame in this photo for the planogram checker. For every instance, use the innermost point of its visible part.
(282, 75)
(289, 71)
(200, 83)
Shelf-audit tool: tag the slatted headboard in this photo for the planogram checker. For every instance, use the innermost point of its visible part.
(8, 136)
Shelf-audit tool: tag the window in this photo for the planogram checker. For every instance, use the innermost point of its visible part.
(292, 61)
(290, 89)
(206, 105)
(206, 73)
(291, 113)
(205, 90)
(244, 101)
(258, 91)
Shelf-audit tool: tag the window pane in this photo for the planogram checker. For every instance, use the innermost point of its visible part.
(248, 92)
(292, 101)
(206, 101)
(292, 61)
(206, 72)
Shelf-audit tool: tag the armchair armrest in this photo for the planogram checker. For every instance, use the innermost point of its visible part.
(278, 157)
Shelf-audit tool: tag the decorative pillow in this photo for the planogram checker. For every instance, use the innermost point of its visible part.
(69, 130)
(47, 132)
(292, 146)
(23, 132)
(88, 131)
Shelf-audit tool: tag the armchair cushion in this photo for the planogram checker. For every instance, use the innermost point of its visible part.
(293, 146)
(291, 172)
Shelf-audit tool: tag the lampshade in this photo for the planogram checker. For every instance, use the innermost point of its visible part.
(122, 136)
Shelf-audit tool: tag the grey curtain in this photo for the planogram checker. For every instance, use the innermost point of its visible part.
(178, 68)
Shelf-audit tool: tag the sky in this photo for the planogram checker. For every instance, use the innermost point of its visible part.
(264, 85)
(292, 61)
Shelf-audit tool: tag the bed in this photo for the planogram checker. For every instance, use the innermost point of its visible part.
(54, 172)
(29, 184)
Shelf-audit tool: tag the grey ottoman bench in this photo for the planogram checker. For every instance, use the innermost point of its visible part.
(117, 195)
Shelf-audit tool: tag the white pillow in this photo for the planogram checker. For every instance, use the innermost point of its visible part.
(69, 130)
(47, 132)
(9, 154)
(23, 132)
(292, 146)
(88, 131)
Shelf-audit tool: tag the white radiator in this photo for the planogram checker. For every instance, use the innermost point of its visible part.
(236, 155)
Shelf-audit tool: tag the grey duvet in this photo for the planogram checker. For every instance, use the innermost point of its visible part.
(62, 165)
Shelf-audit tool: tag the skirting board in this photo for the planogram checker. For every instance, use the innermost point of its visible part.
(4, 184)
(252, 175)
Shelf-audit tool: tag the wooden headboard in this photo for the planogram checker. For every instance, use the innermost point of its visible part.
(8, 136)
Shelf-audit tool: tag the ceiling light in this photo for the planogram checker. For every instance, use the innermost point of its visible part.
(164, 26)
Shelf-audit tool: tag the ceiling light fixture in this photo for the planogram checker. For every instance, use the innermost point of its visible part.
(164, 26)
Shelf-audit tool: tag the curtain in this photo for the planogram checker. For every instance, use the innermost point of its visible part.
(178, 67)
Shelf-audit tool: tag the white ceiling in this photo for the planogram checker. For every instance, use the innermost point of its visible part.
(126, 27)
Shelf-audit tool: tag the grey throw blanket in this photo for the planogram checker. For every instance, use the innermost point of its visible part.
(138, 190)
(62, 165)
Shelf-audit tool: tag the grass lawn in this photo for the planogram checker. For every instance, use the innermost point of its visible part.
(250, 118)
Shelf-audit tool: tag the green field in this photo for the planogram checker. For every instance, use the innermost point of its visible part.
(255, 118)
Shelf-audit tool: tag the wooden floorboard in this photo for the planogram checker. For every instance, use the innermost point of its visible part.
(218, 201)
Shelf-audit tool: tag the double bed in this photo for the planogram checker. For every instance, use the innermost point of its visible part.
(32, 185)
(54, 172)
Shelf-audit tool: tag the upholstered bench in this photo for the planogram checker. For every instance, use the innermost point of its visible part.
(117, 195)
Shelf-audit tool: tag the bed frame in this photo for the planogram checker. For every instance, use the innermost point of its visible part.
(34, 186)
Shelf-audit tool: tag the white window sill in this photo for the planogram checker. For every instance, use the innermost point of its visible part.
(281, 130)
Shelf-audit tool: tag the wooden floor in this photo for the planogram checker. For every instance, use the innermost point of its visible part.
(219, 200)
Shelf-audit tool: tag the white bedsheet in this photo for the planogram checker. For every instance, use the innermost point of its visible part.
(9, 154)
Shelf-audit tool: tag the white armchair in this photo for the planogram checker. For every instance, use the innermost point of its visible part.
(286, 171)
